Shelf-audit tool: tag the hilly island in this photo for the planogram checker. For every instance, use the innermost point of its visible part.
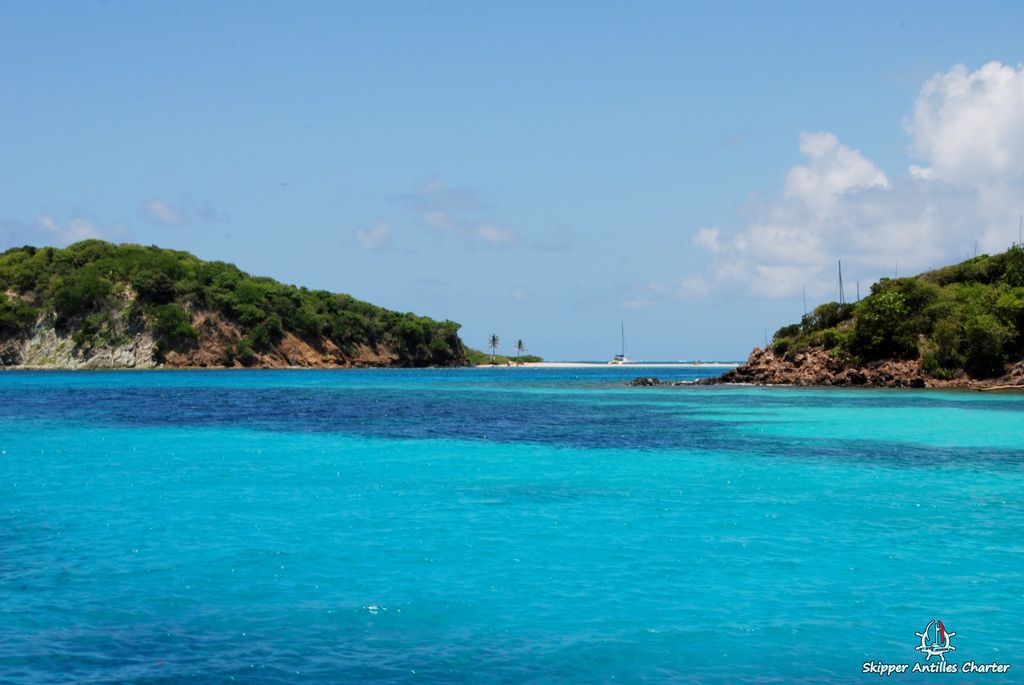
(958, 326)
(99, 305)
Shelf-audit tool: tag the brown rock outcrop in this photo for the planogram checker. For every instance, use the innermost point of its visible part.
(818, 367)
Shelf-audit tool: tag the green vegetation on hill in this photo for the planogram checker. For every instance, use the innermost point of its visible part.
(969, 316)
(86, 285)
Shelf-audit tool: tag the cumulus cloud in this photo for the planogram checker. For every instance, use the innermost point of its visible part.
(967, 126)
(375, 237)
(967, 133)
(832, 169)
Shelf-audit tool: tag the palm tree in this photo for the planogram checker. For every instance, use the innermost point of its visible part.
(493, 343)
(520, 347)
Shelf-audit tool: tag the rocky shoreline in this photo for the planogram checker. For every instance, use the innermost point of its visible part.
(819, 368)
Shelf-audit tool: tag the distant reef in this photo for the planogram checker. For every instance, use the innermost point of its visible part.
(96, 305)
(958, 326)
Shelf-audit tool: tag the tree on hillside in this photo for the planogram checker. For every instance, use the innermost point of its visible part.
(520, 347)
(493, 343)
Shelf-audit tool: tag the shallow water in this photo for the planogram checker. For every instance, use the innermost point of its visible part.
(507, 525)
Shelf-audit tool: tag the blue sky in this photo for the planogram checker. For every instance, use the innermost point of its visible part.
(537, 170)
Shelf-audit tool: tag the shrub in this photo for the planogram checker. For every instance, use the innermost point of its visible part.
(16, 317)
(948, 343)
(81, 292)
(1014, 266)
(830, 338)
(789, 331)
(153, 286)
(172, 326)
(244, 353)
(259, 338)
(827, 315)
(90, 328)
(882, 327)
(984, 341)
(931, 365)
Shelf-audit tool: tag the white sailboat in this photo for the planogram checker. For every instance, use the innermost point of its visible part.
(621, 358)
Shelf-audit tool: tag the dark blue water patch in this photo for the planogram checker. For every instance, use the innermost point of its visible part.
(588, 417)
(355, 648)
(590, 420)
(895, 398)
(882, 453)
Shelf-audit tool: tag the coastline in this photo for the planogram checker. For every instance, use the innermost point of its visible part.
(606, 365)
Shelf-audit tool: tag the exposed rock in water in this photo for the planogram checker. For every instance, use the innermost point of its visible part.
(647, 381)
(820, 367)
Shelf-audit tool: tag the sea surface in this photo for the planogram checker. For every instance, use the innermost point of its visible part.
(500, 526)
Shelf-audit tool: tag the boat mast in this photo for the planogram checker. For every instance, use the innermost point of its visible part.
(622, 326)
(841, 282)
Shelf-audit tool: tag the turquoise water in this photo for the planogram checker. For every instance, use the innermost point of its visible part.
(499, 526)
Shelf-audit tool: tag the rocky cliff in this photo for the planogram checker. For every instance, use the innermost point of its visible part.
(819, 367)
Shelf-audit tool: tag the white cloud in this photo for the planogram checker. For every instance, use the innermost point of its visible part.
(832, 169)
(967, 126)
(967, 129)
(493, 234)
(75, 229)
(650, 294)
(161, 212)
(707, 238)
(458, 212)
(376, 237)
(519, 294)
(49, 231)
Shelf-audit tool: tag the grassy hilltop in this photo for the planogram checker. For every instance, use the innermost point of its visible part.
(100, 304)
(961, 321)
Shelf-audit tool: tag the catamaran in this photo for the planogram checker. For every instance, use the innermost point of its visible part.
(621, 358)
